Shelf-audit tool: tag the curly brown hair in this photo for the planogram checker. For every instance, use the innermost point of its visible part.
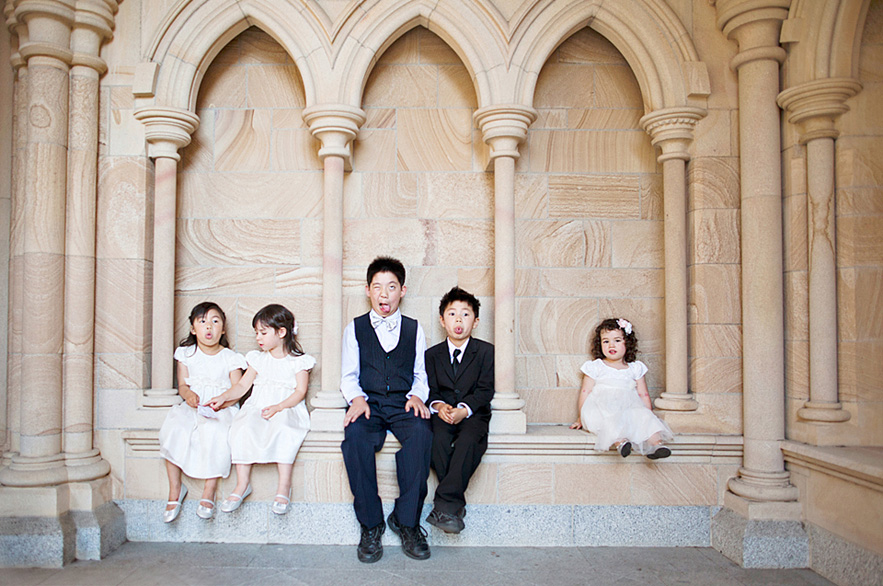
(611, 325)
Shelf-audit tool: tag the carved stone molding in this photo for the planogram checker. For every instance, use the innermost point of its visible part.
(504, 127)
(672, 130)
(335, 125)
(167, 130)
(814, 106)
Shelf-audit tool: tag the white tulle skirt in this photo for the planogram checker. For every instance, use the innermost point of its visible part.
(613, 411)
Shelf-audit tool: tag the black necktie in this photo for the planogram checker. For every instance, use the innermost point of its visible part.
(455, 364)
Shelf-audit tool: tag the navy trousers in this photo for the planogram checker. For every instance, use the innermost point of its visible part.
(363, 438)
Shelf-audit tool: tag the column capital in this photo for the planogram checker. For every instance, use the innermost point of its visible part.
(335, 126)
(93, 24)
(167, 129)
(671, 129)
(814, 106)
(755, 25)
(504, 127)
(48, 25)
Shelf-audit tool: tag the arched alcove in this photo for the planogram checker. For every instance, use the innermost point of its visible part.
(249, 219)
(419, 190)
(589, 230)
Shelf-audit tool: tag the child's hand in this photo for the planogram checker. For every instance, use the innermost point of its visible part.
(457, 415)
(192, 399)
(268, 412)
(444, 411)
(216, 402)
(576, 425)
(420, 408)
(358, 407)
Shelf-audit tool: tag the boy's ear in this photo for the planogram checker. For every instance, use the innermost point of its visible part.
(404, 290)
(441, 320)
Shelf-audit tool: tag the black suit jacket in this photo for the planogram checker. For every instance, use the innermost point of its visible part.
(474, 383)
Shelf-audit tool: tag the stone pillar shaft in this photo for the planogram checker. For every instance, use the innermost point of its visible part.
(504, 127)
(672, 131)
(813, 107)
(40, 461)
(335, 125)
(166, 131)
(763, 476)
(94, 22)
(164, 223)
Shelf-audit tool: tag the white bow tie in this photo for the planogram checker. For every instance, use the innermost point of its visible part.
(377, 320)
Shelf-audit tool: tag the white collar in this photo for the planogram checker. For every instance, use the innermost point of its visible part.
(451, 348)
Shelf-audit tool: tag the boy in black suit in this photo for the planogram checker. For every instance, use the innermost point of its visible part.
(384, 381)
(460, 371)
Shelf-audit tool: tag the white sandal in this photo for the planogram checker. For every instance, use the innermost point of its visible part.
(205, 512)
(281, 508)
(170, 515)
(229, 505)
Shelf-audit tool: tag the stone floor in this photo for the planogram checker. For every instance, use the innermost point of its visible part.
(170, 564)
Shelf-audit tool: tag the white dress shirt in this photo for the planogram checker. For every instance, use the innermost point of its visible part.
(451, 349)
(389, 339)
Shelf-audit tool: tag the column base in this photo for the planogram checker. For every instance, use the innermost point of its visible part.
(86, 466)
(51, 526)
(327, 419)
(676, 402)
(759, 543)
(160, 398)
(507, 422)
(763, 487)
(823, 412)
(24, 471)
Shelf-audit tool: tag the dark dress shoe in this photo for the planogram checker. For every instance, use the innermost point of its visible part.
(370, 549)
(445, 521)
(625, 448)
(413, 538)
(659, 453)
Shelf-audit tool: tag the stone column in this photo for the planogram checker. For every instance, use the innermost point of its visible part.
(93, 24)
(672, 131)
(16, 240)
(40, 461)
(167, 130)
(755, 27)
(504, 127)
(335, 126)
(814, 107)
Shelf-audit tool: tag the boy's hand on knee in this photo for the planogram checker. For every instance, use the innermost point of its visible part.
(358, 407)
(419, 407)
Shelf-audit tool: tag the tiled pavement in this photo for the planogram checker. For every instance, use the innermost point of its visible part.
(170, 564)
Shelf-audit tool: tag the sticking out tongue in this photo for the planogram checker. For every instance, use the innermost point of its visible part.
(384, 308)
(458, 330)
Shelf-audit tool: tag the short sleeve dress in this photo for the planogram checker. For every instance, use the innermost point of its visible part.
(614, 410)
(255, 440)
(196, 444)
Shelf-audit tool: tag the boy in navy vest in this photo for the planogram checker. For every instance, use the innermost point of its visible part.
(383, 378)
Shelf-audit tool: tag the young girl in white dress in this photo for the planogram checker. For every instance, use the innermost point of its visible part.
(193, 438)
(614, 402)
(273, 422)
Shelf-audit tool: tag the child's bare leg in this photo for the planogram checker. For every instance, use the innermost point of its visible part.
(655, 439)
(211, 486)
(284, 485)
(174, 483)
(243, 476)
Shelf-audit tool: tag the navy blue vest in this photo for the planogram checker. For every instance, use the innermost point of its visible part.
(381, 371)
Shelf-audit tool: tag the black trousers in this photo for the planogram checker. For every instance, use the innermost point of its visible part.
(363, 438)
(456, 454)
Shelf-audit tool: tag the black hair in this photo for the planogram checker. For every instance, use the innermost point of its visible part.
(276, 316)
(611, 325)
(387, 264)
(199, 310)
(458, 294)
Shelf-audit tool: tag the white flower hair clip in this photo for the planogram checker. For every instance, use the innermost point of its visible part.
(625, 325)
(294, 329)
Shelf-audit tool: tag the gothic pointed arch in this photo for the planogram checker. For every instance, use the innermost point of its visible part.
(195, 33)
(648, 33)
